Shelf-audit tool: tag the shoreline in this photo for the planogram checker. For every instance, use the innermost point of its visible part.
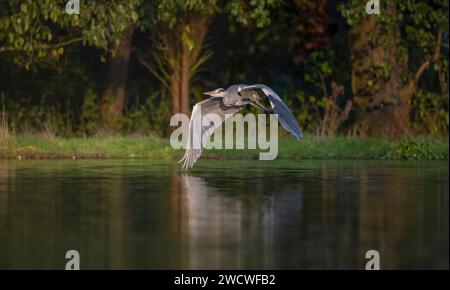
(154, 148)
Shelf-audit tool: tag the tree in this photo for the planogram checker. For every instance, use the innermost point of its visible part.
(182, 28)
(36, 32)
(384, 76)
(113, 93)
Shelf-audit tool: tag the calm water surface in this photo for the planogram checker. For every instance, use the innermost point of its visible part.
(224, 214)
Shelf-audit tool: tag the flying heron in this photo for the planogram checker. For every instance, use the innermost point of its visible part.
(225, 103)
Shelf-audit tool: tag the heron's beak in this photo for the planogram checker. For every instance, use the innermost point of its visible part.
(210, 93)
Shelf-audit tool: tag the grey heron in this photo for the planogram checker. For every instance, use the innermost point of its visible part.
(225, 103)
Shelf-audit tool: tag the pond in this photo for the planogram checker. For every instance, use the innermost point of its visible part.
(304, 214)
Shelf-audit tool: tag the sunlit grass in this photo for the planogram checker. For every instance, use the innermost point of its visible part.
(6, 134)
(35, 147)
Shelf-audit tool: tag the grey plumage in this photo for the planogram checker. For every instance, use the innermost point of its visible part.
(225, 103)
(285, 117)
(212, 105)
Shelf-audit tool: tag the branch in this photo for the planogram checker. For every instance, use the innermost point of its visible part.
(44, 46)
(410, 88)
(155, 73)
(424, 66)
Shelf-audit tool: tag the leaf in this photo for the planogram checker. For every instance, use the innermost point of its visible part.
(23, 8)
(189, 43)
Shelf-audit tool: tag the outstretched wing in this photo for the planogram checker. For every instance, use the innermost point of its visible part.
(198, 132)
(285, 117)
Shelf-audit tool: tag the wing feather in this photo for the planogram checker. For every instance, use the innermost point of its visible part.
(198, 132)
(285, 116)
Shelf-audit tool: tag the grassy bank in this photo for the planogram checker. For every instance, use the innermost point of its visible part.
(33, 147)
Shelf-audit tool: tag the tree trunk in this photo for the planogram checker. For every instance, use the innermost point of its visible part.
(185, 81)
(180, 82)
(378, 72)
(113, 95)
(183, 49)
(175, 90)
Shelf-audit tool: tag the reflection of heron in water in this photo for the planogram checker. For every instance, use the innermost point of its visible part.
(227, 230)
(224, 103)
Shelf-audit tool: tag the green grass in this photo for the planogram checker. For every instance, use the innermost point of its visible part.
(33, 147)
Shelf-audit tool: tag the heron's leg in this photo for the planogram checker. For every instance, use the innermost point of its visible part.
(260, 106)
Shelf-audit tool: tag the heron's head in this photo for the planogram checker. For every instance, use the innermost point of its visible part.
(216, 93)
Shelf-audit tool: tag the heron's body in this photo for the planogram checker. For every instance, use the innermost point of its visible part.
(235, 95)
(225, 103)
